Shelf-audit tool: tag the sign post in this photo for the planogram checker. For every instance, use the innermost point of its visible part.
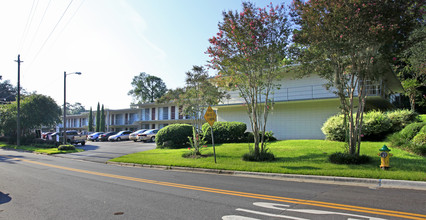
(210, 117)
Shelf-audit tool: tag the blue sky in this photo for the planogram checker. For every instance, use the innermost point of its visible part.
(109, 41)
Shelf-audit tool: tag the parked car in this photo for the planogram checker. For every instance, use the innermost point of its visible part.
(134, 136)
(122, 135)
(45, 135)
(105, 136)
(73, 137)
(94, 136)
(148, 135)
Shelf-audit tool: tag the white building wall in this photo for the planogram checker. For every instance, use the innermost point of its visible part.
(289, 120)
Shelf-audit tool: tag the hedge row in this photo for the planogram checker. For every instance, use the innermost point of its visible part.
(412, 138)
(176, 135)
(376, 125)
(225, 132)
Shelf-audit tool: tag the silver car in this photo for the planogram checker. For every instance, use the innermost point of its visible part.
(148, 135)
(122, 135)
(134, 136)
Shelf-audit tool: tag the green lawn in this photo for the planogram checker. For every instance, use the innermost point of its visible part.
(39, 150)
(308, 157)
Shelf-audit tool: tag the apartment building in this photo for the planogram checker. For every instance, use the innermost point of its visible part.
(141, 116)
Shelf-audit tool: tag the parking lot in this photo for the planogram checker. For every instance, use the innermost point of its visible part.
(103, 151)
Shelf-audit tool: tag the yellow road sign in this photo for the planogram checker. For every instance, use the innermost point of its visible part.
(210, 116)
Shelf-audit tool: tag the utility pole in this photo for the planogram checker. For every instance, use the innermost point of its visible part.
(18, 119)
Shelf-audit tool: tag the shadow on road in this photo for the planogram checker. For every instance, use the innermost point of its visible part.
(4, 198)
(88, 147)
(8, 158)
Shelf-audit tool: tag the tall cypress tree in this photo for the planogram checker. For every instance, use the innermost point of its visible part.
(103, 119)
(90, 120)
(98, 118)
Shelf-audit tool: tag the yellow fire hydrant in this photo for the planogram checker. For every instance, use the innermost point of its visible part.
(384, 157)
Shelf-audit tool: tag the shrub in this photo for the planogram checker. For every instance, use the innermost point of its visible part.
(4, 139)
(396, 140)
(376, 125)
(174, 136)
(345, 158)
(418, 143)
(411, 130)
(412, 138)
(423, 130)
(42, 143)
(419, 139)
(66, 147)
(225, 132)
(401, 118)
(333, 128)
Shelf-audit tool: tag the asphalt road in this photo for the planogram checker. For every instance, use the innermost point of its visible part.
(103, 151)
(45, 187)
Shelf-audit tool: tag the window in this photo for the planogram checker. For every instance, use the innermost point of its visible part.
(173, 112)
(165, 113)
(146, 114)
(153, 114)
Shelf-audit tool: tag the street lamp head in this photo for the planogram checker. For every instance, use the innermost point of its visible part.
(78, 73)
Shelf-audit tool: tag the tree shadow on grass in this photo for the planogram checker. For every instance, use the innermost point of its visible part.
(408, 164)
(320, 157)
(301, 168)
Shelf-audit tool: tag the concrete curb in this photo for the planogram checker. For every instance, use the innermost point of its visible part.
(372, 183)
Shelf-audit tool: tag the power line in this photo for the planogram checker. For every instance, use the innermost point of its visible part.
(51, 32)
(69, 21)
(27, 25)
(38, 27)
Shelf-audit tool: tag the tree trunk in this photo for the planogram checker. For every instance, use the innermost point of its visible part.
(412, 102)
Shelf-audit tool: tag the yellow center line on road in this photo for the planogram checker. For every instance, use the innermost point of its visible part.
(384, 212)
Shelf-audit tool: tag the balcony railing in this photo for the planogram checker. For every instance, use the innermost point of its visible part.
(309, 92)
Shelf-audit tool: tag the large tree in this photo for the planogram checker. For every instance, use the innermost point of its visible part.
(147, 88)
(7, 92)
(411, 66)
(248, 51)
(74, 109)
(350, 43)
(36, 110)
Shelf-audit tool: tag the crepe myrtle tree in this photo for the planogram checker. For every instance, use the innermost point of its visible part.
(194, 99)
(351, 43)
(248, 51)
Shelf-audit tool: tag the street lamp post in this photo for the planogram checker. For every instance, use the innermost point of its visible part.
(65, 104)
